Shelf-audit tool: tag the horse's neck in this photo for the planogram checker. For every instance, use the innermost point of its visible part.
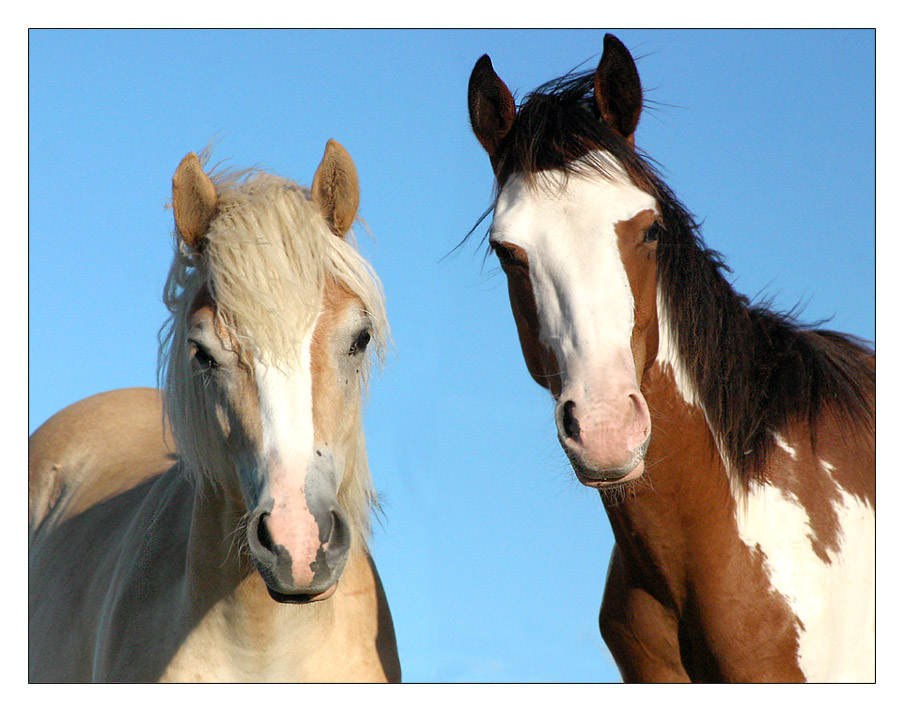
(684, 501)
(215, 553)
(713, 567)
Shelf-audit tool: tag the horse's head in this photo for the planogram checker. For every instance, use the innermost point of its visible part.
(272, 316)
(576, 235)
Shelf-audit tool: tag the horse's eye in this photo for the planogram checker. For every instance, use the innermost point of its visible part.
(506, 254)
(653, 233)
(360, 343)
(204, 359)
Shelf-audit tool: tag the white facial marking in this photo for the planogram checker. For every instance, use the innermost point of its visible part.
(834, 601)
(584, 300)
(287, 409)
(287, 419)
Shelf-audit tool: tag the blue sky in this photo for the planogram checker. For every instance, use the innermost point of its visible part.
(492, 555)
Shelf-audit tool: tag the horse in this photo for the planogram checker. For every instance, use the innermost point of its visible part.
(216, 529)
(733, 447)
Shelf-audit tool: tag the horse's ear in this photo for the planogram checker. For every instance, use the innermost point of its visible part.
(194, 201)
(616, 88)
(490, 105)
(335, 188)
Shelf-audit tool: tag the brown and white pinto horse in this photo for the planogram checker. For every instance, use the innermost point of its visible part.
(734, 450)
(230, 544)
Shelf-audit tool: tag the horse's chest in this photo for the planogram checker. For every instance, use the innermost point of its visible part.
(277, 643)
(219, 651)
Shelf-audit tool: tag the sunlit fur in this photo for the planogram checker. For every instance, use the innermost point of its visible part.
(267, 255)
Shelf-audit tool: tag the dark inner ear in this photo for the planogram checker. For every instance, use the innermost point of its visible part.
(490, 105)
(617, 89)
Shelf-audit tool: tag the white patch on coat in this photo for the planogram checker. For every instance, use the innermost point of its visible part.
(783, 444)
(834, 601)
(827, 466)
(584, 300)
(669, 359)
(670, 355)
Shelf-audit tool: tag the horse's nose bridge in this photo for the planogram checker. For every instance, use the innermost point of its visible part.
(592, 348)
(303, 493)
(586, 312)
(597, 373)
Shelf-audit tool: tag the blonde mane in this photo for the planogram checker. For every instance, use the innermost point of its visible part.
(265, 260)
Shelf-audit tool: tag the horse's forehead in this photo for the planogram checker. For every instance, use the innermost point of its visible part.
(580, 208)
(337, 299)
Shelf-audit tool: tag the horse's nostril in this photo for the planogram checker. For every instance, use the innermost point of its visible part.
(263, 533)
(569, 422)
(339, 533)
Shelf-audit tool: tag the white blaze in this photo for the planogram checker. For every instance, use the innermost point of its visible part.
(584, 301)
(287, 409)
(287, 419)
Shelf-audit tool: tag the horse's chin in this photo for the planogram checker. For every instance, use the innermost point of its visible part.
(298, 598)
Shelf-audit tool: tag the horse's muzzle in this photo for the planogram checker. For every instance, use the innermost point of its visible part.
(606, 439)
(275, 564)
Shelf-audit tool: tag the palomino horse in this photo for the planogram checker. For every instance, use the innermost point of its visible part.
(734, 450)
(245, 556)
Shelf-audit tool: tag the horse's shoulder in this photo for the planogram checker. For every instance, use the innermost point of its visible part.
(95, 449)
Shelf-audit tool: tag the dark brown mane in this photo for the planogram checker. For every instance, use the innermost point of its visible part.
(558, 126)
(755, 370)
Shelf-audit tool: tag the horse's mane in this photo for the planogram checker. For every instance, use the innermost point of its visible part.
(753, 370)
(266, 258)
